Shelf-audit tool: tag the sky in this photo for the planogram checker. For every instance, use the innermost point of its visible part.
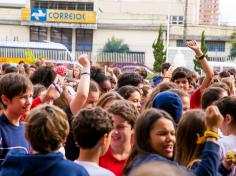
(228, 11)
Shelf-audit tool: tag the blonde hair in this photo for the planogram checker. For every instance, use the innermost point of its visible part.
(108, 97)
(191, 124)
(46, 128)
(230, 83)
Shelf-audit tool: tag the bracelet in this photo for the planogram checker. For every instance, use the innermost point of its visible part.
(211, 134)
(84, 73)
(201, 57)
(231, 155)
(55, 86)
(202, 139)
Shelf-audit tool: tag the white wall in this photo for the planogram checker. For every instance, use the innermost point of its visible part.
(127, 9)
(140, 41)
(13, 3)
(14, 32)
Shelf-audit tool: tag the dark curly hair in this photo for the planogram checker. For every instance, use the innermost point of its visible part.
(90, 125)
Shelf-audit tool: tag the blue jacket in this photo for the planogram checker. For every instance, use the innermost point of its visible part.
(51, 164)
(207, 167)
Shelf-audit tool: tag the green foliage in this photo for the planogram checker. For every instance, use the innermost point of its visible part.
(158, 51)
(30, 56)
(233, 49)
(197, 65)
(116, 46)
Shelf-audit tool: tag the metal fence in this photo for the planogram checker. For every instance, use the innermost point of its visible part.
(222, 59)
(131, 57)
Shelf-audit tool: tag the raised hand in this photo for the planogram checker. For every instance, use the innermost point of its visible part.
(230, 160)
(84, 61)
(213, 119)
(194, 46)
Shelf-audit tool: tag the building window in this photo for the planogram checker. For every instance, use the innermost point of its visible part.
(38, 33)
(63, 36)
(84, 39)
(217, 46)
(179, 43)
(83, 6)
(177, 19)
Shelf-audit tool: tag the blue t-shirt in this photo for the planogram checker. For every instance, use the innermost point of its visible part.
(11, 137)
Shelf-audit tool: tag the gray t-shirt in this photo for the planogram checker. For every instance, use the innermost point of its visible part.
(94, 169)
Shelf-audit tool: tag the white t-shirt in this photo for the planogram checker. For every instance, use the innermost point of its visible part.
(227, 144)
(94, 169)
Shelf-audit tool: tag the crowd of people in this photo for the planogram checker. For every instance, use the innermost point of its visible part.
(88, 120)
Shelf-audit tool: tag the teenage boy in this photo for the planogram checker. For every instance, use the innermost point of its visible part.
(124, 115)
(227, 107)
(92, 129)
(46, 130)
(182, 78)
(16, 92)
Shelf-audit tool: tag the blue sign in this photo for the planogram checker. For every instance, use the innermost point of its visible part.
(38, 14)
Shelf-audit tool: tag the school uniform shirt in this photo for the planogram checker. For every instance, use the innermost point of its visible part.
(208, 166)
(94, 169)
(195, 99)
(50, 164)
(11, 137)
(109, 162)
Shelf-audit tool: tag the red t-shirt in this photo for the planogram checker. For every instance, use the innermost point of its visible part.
(108, 161)
(195, 99)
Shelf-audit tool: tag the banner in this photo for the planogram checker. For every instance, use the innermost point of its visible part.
(63, 16)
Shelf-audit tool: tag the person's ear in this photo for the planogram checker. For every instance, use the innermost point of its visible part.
(5, 100)
(105, 139)
(228, 119)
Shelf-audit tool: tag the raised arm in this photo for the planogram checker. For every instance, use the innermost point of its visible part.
(208, 70)
(83, 87)
(210, 158)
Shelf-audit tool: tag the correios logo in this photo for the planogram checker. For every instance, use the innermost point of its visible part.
(66, 16)
(38, 14)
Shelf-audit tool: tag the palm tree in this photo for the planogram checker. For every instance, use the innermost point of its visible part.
(116, 45)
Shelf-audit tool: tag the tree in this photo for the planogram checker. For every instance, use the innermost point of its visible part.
(233, 49)
(116, 45)
(30, 56)
(158, 51)
(197, 64)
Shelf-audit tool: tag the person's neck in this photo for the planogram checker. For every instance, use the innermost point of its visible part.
(121, 152)
(89, 155)
(233, 130)
(12, 118)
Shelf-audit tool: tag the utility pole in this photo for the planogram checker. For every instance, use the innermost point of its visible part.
(168, 34)
(185, 21)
